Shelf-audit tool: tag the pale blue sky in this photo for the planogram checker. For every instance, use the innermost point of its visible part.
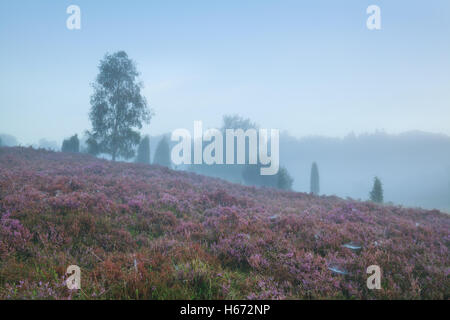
(308, 67)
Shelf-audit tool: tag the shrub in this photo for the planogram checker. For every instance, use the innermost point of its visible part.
(284, 179)
(162, 153)
(143, 153)
(150, 233)
(71, 145)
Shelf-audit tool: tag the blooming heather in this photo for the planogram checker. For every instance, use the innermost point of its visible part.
(146, 232)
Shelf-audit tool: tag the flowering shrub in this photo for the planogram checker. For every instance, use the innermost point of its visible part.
(13, 235)
(146, 232)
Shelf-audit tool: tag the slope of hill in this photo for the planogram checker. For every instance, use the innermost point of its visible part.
(413, 166)
(146, 232)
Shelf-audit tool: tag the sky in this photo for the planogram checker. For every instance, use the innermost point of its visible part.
(305, 67)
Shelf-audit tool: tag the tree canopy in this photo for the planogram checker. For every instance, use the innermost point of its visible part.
(71, 145)
(117, 108)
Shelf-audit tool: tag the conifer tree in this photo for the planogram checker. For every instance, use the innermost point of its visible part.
(143, 152)
(162, 153)
(376, 195)
(315, 182)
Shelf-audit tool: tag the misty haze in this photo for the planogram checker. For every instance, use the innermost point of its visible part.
(91, 104)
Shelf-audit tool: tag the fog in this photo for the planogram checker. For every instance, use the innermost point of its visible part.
(414, 166)
(360, 103)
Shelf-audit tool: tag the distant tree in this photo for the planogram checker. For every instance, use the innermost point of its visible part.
(376, 195)
(71, 145)
(0, 142)
(93, 147)
(315, 181)
(8, 140)
(143, 153)
(162, 153)
(237, 122)
(252, 176)
(249, 173)
(117, 108)
(284, 180)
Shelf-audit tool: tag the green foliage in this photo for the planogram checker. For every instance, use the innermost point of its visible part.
(162, 153)
(376, 195)
(143, 153)
(93, 147)
(117, 108)
(252, 176)
(285, 181)
(237, 122)
(71, 145)
(315, 181)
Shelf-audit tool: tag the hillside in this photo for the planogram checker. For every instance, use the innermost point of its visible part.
(413, 166)
(146, 232)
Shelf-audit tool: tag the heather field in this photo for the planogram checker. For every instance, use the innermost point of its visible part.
(147, 232)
